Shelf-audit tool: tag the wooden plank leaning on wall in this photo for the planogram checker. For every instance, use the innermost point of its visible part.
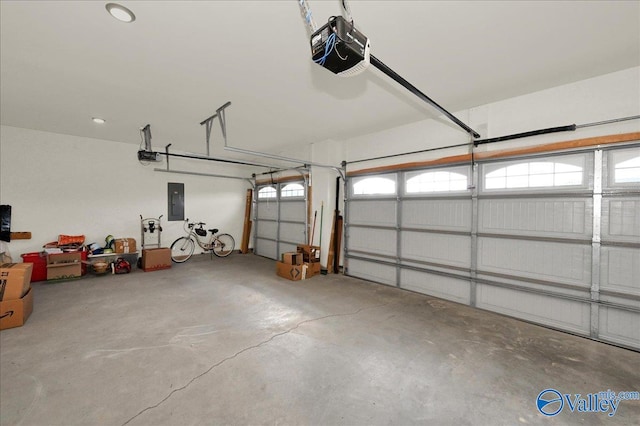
(246, 231)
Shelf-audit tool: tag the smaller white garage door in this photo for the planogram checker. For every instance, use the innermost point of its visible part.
(280, 218)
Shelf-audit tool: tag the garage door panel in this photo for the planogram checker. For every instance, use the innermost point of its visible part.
(567, 217)
(620, 326)
(373, 271)
(377, 241)
(373, 213)
(546, 287)
(267, 210)
(552, 311)
(447, 215)
(457, 290)
(266, 229)
(622, 301)
(292, 232)
(294, 211)
(551, 261)
(266, 248)
(620, 269)
(373, 257)
(621, 219)
(446, 249)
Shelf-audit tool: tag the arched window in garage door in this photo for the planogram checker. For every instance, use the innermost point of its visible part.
(292, 190)
(449, 180)
(374, 185)
(267, 192)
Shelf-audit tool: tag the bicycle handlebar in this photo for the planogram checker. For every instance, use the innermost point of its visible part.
(191, 225)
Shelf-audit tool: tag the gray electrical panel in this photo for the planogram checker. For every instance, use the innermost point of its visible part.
(175, 201)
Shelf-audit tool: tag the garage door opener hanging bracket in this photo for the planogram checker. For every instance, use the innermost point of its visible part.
(220, 114)
(208, 123)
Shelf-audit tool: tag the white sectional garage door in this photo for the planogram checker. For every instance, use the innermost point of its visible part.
(552, 239)
(280, 218)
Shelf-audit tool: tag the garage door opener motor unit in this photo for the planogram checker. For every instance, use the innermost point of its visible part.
(339, 47)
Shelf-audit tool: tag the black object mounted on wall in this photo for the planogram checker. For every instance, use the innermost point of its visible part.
(5, 222)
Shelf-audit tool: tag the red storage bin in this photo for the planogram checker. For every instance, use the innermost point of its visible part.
(83, 256)
(39, 260)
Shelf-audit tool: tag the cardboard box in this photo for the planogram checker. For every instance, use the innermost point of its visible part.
(310, 254)
(291, 272)
(156, 259)
(297, 272)
(292, 258)
(62, 266)
(125, 245)
(14, 313)
(15, 280)
(313, 269)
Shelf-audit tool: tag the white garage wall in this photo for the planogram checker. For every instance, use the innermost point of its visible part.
(61, 184)
(601, 98)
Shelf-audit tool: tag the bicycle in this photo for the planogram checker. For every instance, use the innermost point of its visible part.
(221, 245)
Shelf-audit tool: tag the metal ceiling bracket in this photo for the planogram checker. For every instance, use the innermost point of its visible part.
(220, 113)
(346, 10)
(146, 133)
(305, 11)
(209, 124)
(166, 150)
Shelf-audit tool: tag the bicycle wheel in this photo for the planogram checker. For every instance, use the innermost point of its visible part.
(223, 245)
(182, 249)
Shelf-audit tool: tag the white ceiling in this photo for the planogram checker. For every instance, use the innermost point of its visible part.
(63, 62)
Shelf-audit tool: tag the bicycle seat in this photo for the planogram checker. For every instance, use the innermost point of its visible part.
(213, 231)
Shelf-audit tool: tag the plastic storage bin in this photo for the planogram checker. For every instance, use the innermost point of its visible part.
(39, 260)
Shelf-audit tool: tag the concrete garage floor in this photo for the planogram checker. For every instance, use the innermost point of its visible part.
(226, 341)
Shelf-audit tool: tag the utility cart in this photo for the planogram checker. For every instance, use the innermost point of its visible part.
(150, 232)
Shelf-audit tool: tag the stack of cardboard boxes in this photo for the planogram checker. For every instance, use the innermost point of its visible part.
(16, 296)
(64, 266)
(300, 265)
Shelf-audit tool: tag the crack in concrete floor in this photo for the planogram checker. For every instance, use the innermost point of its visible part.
(240, 352)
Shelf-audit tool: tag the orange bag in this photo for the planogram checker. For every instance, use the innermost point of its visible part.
(65, 240)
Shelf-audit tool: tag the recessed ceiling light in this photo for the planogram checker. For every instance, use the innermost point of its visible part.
(121, 13)
(98, 120)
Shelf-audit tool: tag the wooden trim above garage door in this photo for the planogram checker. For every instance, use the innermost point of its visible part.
(282, 179)
(538, 149)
